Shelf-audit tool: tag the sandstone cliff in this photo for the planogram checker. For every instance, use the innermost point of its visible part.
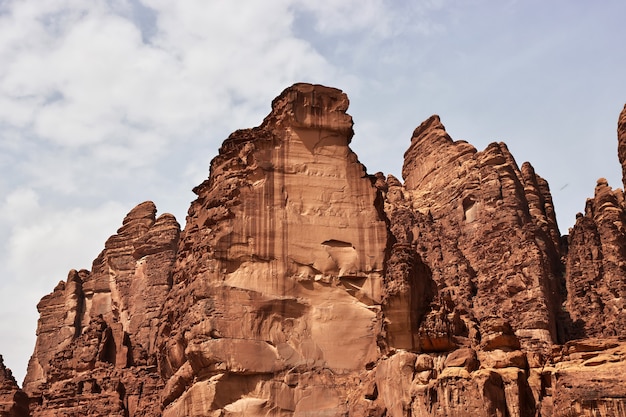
(13, 401)
(303, 286)
(96, 336)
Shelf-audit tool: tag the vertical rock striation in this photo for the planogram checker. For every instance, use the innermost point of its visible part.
(279, 275)
(492, 214)
(302, 286)
(596, 302)
(483, 235)
(596, 266)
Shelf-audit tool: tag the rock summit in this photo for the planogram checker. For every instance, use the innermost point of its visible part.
(301, 285)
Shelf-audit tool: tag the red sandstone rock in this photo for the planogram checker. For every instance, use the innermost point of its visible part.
(95, 352)
(13, 401)
(621, 143)
(596, 266)
(488, 213)
(286, 244)
(301, 286)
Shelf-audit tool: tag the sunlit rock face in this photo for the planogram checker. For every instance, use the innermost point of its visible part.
(286, 243)
(303, 286)
(13, 401)
(95, 351)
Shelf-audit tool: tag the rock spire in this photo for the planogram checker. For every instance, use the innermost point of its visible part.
(301, 285)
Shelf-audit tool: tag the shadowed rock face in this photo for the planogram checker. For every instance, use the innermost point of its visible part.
(596, 266)
(303, 286)
(621, 143)
(489, 213)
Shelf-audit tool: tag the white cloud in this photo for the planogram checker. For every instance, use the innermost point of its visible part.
(42, 243)
(335, 17)
(82, 78)
(45, 233)
(380, 19)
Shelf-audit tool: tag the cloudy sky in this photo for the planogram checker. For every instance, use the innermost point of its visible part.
(108, 103)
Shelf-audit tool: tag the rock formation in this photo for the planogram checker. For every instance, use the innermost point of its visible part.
(13, 401)
(303, 286)
(96, 337)
(294, 238)
(621, 143)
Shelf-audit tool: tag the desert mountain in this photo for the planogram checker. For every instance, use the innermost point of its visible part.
(301, 285)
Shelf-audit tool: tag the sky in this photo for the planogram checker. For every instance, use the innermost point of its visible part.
(108, 103)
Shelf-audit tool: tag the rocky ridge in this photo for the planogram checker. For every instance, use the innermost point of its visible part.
(302, 285)
(13, 401)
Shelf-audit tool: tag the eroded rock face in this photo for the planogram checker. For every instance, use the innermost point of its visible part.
(95, 351)
(485, 213)
(13, 401)
(302, 286)
(286, 245)
(621, 143)
(596, 266)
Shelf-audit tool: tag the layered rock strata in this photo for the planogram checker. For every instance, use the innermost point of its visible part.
(596, 263)
(467, 213)
(302, 286)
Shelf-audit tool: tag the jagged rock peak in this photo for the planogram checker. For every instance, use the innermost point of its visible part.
(96, 332)
(13, 401)
(596, 266)
(312, 106)
(621, 143)
(433, 123)
(286, 233)
(302, 286)
(430, 143)
(6, 376)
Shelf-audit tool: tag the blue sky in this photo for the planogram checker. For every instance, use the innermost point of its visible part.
(105, 104)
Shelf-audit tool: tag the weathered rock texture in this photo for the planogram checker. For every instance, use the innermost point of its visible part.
(302, 286)
(13, 401)
(596, 266)
(621, 141)
(96, 338)
(280, 309)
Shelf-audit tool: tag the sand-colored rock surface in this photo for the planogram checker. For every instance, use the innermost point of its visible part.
(301, 285)
(95, 352)
(295, 244)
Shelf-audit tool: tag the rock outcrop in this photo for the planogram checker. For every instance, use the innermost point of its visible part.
(621, 143)
(467, 213)
(303, 286)
(96, 338)
(292, 239)
(596, 266)
(13, 401)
